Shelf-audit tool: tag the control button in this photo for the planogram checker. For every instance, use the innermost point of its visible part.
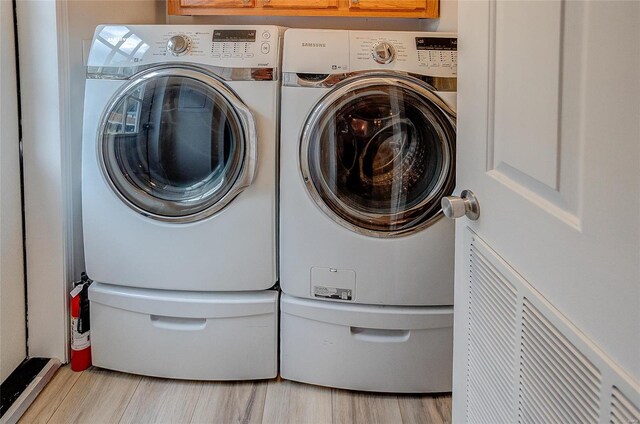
(237, 55)
(226, 54)
(383, 53)
(178, 45)
(266, 35)
(248, 55)
(216, 55)
(265, 48)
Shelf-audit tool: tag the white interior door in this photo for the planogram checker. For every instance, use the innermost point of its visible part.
(12, 301)
(547, 307)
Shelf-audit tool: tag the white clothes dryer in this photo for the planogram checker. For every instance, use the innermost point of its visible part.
(179, 157)
(179, 199)
(366, 262)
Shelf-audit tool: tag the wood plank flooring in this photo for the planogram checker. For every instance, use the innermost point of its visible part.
(99, 396)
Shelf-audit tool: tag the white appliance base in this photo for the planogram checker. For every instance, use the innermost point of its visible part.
(367, 347)
(184, 335)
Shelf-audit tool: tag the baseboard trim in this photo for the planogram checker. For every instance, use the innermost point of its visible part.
(29, 394)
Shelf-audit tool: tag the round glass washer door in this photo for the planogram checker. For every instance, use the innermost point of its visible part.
(176, 144)
(377, 154)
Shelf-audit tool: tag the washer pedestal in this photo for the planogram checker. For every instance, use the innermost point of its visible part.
(186, 335)
(367, 347)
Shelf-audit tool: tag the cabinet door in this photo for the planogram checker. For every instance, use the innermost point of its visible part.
(390, 5)
(299, 4)
(217, 3)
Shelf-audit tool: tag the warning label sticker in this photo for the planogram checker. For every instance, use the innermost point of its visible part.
(79, 340)
(332, 293)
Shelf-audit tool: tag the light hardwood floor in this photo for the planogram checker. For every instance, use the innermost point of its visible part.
(99, 396)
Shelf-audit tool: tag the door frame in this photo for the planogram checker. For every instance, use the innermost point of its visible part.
(13, 295)
(46, 121)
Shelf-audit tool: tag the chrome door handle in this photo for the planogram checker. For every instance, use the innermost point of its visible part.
(466, 205)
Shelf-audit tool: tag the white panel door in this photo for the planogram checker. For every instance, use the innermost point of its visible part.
(12, 302)
(547, 307)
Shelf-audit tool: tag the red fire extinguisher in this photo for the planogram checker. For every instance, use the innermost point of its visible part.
(80, 334)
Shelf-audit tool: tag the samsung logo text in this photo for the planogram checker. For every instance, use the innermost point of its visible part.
(314, 45)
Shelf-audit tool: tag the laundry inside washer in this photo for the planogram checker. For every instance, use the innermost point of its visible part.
(381, 150)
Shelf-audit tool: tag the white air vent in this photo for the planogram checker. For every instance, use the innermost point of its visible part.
(525, 361)
(491, 362)
(623, 411)
(557, 382)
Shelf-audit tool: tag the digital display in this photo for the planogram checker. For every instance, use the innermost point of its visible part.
(234, 35)
(436, 43)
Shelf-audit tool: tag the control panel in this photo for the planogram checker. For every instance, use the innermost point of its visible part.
(437, 52)
(238, 44)
(383, 50)
(433, 54)
(221, 45)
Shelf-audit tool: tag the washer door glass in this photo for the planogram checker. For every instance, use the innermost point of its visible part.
(174, 144)
(377, 155)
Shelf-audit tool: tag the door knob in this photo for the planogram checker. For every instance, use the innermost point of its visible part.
(466, 205)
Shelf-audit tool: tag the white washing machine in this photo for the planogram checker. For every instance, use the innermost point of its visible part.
(179, 199)
(366, 262)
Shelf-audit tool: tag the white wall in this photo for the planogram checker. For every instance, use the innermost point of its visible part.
(448, 17)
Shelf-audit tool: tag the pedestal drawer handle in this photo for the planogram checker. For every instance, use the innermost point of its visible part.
(380, 335)
(178, 323)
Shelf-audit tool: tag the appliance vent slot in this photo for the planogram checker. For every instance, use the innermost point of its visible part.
(623, 411)
(557, 382)
(491, 359)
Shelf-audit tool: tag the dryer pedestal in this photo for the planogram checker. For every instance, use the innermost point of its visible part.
(367, 347)
(185, 335)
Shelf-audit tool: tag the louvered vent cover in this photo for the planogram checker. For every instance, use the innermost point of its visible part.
(492, 337)
(623, 411)
(558, 384)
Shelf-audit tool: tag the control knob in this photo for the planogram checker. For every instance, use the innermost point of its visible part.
(383, 52)
(178, 45)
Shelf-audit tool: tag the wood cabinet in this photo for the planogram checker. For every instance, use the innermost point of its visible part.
(389, 5)
(299, 4)
(215, 4)
(353, 8)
